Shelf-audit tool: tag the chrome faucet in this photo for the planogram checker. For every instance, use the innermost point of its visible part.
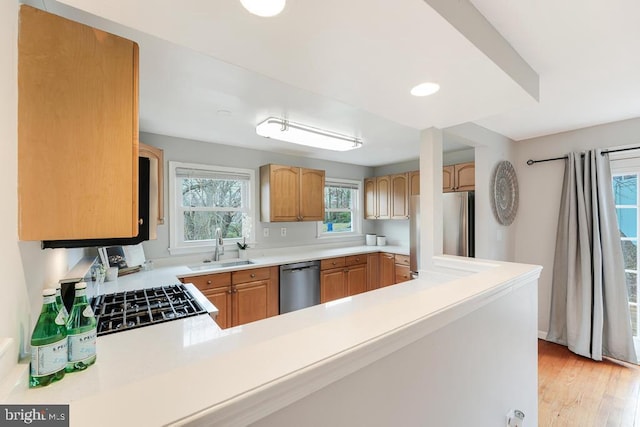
(219, 245)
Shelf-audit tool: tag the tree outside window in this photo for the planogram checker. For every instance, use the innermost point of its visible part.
(205, 198)
(341, 208)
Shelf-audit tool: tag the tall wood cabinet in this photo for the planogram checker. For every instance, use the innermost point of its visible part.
(342, 276)
(289, 194)
(77, 130)
(459, 177)
(241, 296)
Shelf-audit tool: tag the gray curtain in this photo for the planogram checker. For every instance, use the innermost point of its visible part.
(589, 301)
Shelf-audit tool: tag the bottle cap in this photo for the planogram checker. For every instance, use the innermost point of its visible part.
(81, 285)
(47, 292)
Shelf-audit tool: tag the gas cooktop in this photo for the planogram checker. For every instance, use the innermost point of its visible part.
(127, 310)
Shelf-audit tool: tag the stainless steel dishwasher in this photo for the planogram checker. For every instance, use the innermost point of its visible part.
(299, 285)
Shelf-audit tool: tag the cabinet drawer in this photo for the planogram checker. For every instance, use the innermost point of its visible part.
(402, 273)
(209, 281)
(402, 259)
(326, 264)
(255, 274)
(355, 259)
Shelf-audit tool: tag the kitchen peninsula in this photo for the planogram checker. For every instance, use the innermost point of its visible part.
(458, 343)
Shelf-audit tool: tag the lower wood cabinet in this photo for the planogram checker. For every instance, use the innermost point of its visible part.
(387, 269)
(241, 296)
(342, 276)
(402, 270)
(373, 266)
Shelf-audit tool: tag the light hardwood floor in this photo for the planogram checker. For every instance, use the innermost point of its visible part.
(576, 391)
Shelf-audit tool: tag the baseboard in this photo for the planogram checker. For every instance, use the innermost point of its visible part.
(542, 335)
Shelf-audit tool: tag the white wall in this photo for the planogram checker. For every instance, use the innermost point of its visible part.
(540, 189)
(298, 233)
(493, 240)
(460, 375)
(26, 269)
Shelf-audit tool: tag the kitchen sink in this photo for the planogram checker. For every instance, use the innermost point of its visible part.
(218, 265)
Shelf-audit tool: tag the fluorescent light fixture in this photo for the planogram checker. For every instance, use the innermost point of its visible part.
(264, 8)
(425, 89)
(285, 130)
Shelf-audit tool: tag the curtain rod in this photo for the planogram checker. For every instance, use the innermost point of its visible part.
(530, 162)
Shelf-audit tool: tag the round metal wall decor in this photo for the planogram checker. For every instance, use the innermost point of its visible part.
(504, 187)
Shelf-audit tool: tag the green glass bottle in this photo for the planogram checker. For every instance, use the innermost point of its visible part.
(81, 332)
(48, 344)
(61, 307)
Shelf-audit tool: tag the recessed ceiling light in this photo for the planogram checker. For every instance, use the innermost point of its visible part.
(425, 89)
(264, 8)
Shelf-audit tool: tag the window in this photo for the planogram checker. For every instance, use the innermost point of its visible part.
(204, 198)
(627, 200)
(341, 206)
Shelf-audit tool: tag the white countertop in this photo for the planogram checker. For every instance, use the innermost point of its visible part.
(162, 374)
(168, 274)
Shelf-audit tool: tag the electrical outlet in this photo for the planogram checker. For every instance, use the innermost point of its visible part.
(265, 232)
(283, 232)
(515, 418)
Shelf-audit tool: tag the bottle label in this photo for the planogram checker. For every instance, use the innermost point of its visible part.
(49, 358)
(87, 312)
(82, 346)
(48, 299)
(60, 318)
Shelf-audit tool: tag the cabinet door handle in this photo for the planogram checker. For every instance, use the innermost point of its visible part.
(252, 275)
(208, 282)
(229, 291)
(141, 221)
(333, 263)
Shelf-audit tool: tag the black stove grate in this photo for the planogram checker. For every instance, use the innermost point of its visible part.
(127, 310)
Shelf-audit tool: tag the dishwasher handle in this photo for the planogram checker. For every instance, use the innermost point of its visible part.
(292, 270)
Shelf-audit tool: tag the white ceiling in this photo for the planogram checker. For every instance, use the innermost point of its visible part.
(348, 67)
(587, 53)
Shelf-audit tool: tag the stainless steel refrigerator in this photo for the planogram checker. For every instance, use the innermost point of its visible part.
(458, 223)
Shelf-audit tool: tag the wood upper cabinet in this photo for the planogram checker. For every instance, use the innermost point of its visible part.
(342, 276)
(387, 197)
(459, 177)
(414, 183)
(465, 174)
(77, 130)
(377, 198)
(399, 196)
(156, 202)
(387, 271)
(383, 197)
(241, 296)
(311, 194)
(289, 193)
(370, 198)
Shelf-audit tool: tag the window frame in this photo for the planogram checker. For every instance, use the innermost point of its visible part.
(356, 211)
(177, 243)
(624, 164)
